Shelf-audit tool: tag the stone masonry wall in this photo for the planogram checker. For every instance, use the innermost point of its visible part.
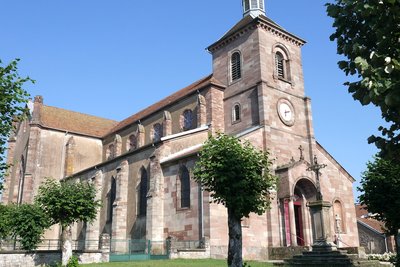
(23, 259)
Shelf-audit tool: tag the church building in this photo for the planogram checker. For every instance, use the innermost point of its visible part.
(142, 166)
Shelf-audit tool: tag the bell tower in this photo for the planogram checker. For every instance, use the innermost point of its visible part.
(254, 8)
(259, 63)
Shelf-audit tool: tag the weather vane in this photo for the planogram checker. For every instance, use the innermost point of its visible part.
(315, 168)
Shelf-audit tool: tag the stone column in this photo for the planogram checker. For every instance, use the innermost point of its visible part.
(105, 247)
(93, 229)
(140, 135)
(119, 220)
(155, 204)
(201, 111)
(320, 218)
(117, 145)
(293, 235)
(167, 124)
(215, 109)
(306, 224)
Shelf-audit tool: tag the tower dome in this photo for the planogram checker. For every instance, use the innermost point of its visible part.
(253, 8)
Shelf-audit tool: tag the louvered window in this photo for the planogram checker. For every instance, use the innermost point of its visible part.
(236, 66)
(280, 65)
(261, 4)
(246, 5)
(254, 4)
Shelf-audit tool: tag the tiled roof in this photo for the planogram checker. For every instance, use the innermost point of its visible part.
(362, 216)
(74, 122)
(206, 81)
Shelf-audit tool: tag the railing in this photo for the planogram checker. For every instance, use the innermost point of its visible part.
(131, 249)
(49, 244)
(297, 238)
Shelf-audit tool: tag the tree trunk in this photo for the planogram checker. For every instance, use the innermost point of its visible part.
(235, 240)
(66, 244)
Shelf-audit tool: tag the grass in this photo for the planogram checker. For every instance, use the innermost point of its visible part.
(175, 263)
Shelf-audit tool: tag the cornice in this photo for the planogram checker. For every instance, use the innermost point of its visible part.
(229, 39)
(257, 23)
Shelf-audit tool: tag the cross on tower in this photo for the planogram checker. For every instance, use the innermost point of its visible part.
(315, 168)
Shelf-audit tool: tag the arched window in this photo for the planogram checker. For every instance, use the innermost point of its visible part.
(338, 217)
(143, 188)
(236, 113)
(132, 142)
(236, 65)
(157, 132)
(187, 120)
(185, 187)
(280, 65)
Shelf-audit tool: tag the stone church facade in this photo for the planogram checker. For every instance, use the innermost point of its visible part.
(142, 166)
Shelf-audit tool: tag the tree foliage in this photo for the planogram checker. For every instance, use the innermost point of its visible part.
(368, 35)
(68, 202)
(238, 176)
(12, 100)
(26, 223)
(380, 191)
(5, 218)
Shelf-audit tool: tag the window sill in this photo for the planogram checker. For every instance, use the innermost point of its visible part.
(183, 209)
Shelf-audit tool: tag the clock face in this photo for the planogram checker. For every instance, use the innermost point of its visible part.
(286, 112)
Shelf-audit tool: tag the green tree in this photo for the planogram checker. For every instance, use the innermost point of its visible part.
(12, 106)
(65, 203)
(380, 192)
(5, 229)
(26, 223)
(238, 176)
(368, 35)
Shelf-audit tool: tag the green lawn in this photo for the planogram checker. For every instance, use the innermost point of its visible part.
(176, 263)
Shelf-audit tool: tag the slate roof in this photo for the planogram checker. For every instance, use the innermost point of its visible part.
(363, 216)
(74, 122)
(200, 84)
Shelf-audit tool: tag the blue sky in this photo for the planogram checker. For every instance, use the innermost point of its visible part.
(114, 58)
